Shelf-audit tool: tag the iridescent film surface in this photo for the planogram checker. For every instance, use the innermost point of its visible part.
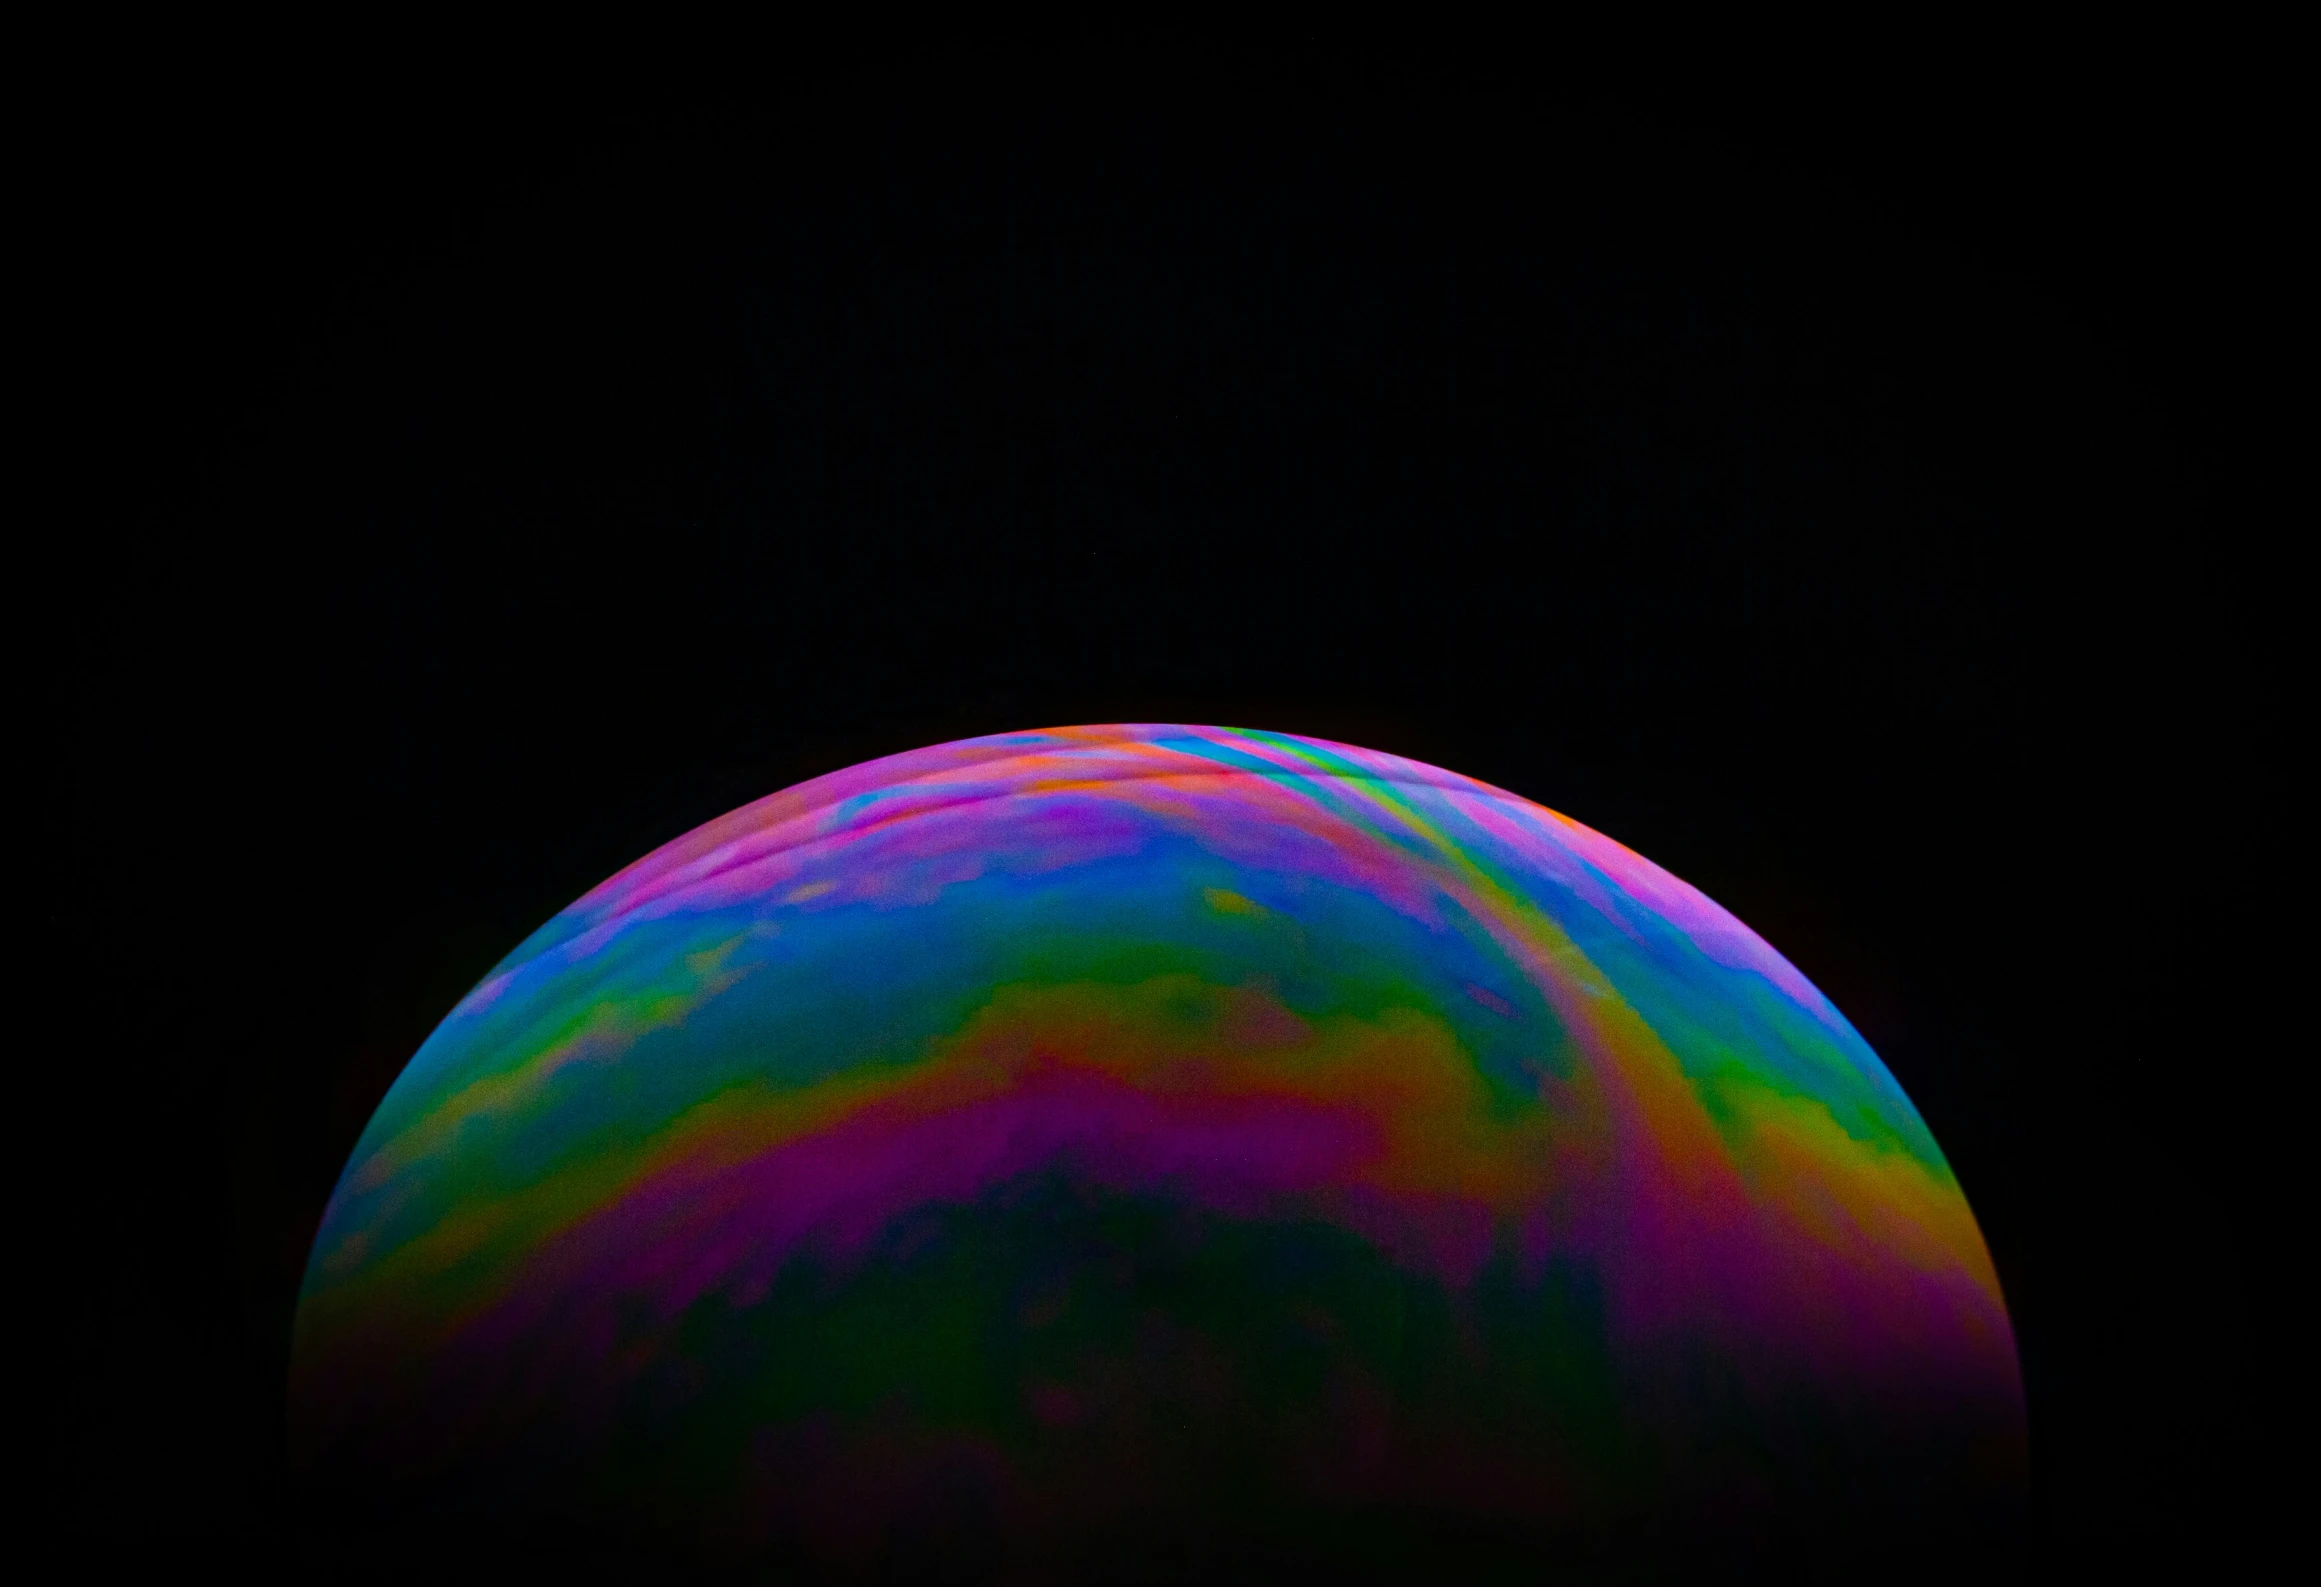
(1029, 1143)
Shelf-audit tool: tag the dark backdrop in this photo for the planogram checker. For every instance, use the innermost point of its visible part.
(1806, 478)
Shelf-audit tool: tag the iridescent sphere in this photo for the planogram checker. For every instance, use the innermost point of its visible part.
(1147, 1152)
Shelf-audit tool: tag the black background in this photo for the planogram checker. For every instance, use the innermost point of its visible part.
(1813, 478)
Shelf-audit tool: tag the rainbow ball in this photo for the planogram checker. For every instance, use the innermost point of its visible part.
(1138, 1153)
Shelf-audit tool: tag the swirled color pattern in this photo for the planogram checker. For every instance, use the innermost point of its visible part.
(1023, 1144)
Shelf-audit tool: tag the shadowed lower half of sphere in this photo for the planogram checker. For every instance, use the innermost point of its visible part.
(1150, 1152)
